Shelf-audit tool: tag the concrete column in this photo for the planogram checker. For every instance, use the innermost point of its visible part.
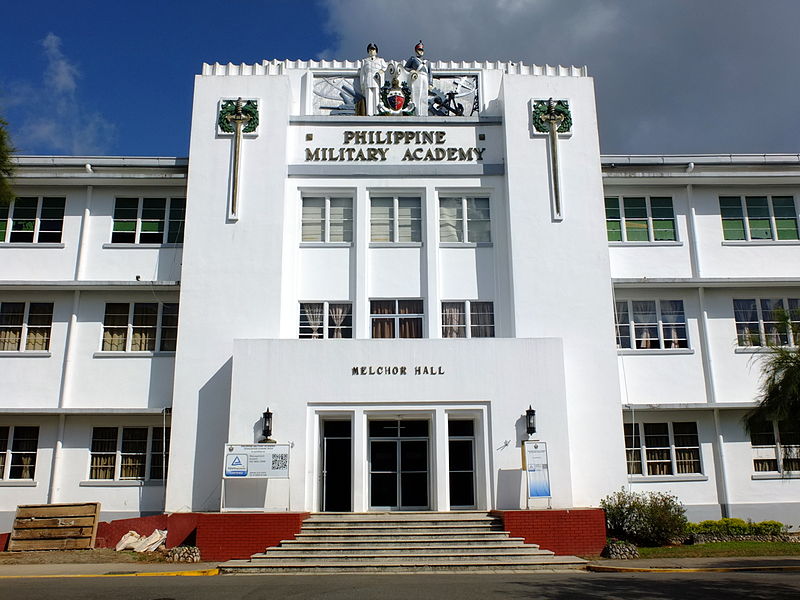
(360, 462)
(441, 480)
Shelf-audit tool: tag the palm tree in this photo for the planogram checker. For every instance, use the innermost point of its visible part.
(6, 166)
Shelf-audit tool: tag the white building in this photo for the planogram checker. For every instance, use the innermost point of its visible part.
(349, 228)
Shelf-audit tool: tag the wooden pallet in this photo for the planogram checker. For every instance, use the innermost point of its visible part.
(55, 527)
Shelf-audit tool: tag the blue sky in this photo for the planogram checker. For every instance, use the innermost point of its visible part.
(701, 76)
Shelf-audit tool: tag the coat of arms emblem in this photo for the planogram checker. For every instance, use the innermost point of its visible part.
(396, 99)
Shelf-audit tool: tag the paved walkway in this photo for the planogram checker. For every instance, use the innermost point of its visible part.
(766, 563)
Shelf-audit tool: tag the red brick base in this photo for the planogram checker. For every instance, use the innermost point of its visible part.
(580, 531)
(220, 536)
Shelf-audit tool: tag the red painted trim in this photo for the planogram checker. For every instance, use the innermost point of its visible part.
(580, 531)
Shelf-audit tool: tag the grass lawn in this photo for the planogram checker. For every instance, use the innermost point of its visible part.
(723, 549)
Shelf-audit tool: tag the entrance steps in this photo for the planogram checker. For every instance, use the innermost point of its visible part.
(402, 541)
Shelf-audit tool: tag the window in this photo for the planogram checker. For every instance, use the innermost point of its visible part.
(18, 458)
(148, 220)
(129, 453)
(753, 218)
(28, 321)
(140, 327)
(32, 221)
(396, 318)
(327, 219)
(640, 219)
(668, 449)
(469, 318)
(776, 446)
(453, 227)
(396, 219)
(767, 321)
(651, 324)
(320, 320)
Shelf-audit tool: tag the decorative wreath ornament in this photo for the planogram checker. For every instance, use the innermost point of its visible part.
(227, 110)
(542, 109)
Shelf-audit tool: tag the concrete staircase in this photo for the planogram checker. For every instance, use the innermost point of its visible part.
(401, 541)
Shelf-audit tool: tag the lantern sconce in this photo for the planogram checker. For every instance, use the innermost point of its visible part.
(530, 420)
(267, 425)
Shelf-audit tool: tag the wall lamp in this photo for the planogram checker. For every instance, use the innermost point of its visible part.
(530, 420)
(267, 427)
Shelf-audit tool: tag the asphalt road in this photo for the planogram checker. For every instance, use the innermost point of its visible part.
(752, 586)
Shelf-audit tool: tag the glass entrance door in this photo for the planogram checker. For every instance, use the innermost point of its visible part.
(336, 466)
(398, 454)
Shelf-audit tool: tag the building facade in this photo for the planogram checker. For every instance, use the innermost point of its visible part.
(397, 285)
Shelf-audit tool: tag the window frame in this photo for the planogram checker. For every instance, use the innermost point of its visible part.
(394, 220)
(326, 219)
(468, 314)
(650, 220)
(326, 325)
(792, 334)
(396, 316)
(660, 325)
(25, 327)
(775, 452)
(169, 222)
(464, 221)
(8, 221)
(637, 433)
(118, 454)
(7, 453)
(130, 326)
(745, 219)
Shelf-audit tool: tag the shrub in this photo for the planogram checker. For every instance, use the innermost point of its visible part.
(768, 528)
(647, 519)
(729, 527)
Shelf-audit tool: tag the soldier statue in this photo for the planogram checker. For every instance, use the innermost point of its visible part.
(370, 80)
(420, 79)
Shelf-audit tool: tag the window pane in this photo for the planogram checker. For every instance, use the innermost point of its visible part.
(789, 432)
(747, 325)
(104, 453)
(409, 307)
(732, 218)
(177, 218)
(645, 324)
(40, 319)
(479, 220)
(341, 220)
(635, 219)
(159, 453)
(115, 327)
(340, 321)
(51, 221)
(663, 219)
(12, 315)
(481, 319)
(623, 325)
(454, 320)
(312, 320)
(382, 328)
(758, 217)
(656, 435)
(3, 222)
(3, 448)
(785, 217)
(126, 212)
(23, 220)
(23, 453)
(145, 318)
(613, 220)
(773, 314)
(381, 224)
(409, 220)
(313, 221)
(133, 456)
(169, 327)
(762, 433)
(451, 227)
(152, 227)
(633, 445)
(382, 307)
(674, 324)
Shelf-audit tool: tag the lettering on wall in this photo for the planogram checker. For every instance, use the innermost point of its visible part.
(397, 370)
(375, 146)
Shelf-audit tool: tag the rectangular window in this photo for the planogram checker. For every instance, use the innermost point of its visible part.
(468, 318)
(396, 219)
(396, 318)
(755, 218)
(120, 453)
(25, 326)
(767, 321)
(640, 219)
(140, 327)
(320, 320)
(148, 220)
(651, 324)
(18, 448)
(327, 219)
(454, 228)
(659, 449)
(34, 220)
(776, 446)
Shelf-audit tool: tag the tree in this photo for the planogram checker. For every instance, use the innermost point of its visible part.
(6, 166)
(779, 394)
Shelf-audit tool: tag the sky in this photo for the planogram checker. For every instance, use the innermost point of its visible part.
(671, 76)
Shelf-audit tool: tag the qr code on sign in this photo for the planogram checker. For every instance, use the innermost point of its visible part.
(280, 462)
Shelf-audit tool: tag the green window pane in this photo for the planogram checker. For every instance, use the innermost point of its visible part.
(787, 229)
(733, 229)
(785, 217)
(614, 229)
(636, 231)
(612, 208)
(760, 229)
(124, 225)
(664, 231)
(635, 208)
(152, 226)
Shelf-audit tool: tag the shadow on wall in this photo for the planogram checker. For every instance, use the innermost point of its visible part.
(213, 410)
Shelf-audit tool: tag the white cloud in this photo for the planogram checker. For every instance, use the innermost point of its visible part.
(60, 75)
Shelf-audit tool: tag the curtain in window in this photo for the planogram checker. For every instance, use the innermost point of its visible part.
(381, 219)
(9, 338)
(11, 317)
(674, 324)
(482, 319)
(411, 328)
(145, 319)
(645, 323)
(453, 320)
(773, 312)
(134, 453)
(338, 313)
(313, 220)
(314, 315)
(746, 316)
(450, 228)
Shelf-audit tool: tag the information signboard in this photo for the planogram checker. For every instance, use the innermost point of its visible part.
(256, 461)
(536, 468)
